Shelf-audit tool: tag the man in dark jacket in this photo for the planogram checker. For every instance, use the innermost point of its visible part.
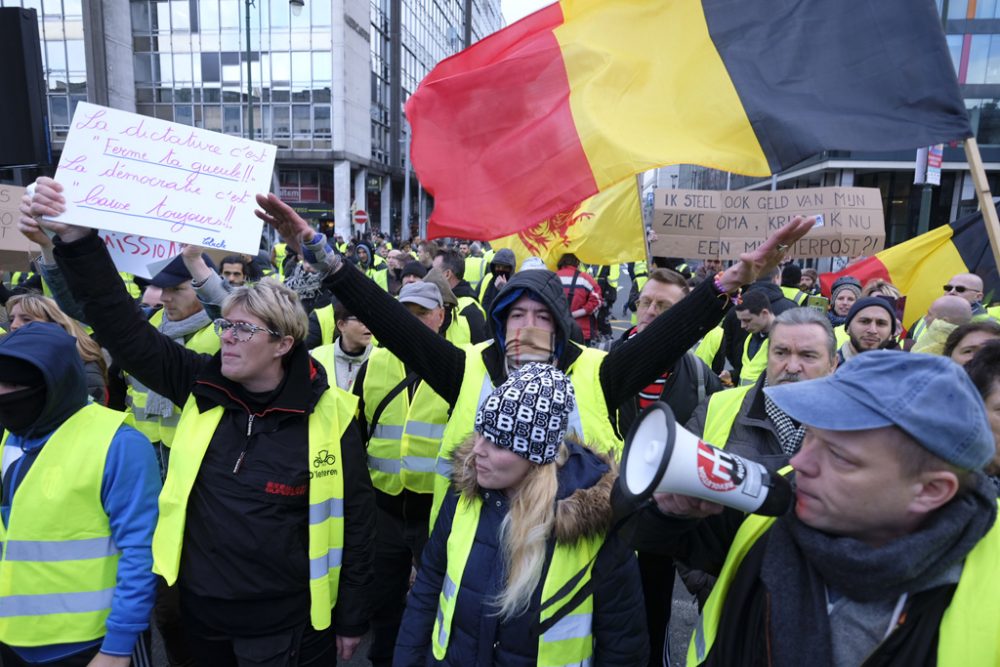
(682, 387)
(501, 269)
(531, 322)
(452, 264)
(268, 497)
(891, 548)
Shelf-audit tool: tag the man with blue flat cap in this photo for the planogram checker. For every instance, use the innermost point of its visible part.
(891, 552)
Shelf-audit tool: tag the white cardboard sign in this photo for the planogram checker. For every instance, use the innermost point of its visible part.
(143, 176)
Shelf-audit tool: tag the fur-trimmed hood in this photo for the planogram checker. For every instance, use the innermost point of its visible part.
(583, 501)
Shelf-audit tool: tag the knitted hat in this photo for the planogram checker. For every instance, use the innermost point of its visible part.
(413, 268)
(529, 413)
(868, 302)
(845, 282)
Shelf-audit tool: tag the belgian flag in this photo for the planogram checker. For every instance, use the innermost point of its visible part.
(582, 94)
(921, 266)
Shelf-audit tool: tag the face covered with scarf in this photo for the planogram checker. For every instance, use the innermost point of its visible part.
(530, 333)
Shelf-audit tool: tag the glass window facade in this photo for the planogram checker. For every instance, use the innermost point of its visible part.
(191, 66)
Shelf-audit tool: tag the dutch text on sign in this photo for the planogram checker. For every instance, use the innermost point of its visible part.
(725, 224)
(134, 174)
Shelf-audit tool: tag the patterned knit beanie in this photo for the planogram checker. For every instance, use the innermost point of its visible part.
(529, 413)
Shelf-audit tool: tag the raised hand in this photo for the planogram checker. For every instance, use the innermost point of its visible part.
(767, 255)
(285, 221)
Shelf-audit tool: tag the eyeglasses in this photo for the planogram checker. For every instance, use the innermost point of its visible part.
(958, 289)
(242, 331)
(657, 306)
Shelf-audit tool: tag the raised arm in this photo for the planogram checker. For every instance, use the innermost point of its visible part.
(437, 361)
(632, 366)
(119, 326)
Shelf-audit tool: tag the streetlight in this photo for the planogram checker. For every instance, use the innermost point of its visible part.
(297, 7)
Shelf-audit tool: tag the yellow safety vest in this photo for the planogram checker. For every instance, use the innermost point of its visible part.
(458, 331)
(60, 562)
(994, 312)
(795, 294)
(155, 427)
(130, 285)
(709, 345)
(723, 408)
(840, 333)
(466, 301)
(403, 449)
(327, 324)
(280, 250)
(568, 642)
(589, 418)
(475, 269)
(752, 368)
(968, 632)
(328, 422)
(381, 278)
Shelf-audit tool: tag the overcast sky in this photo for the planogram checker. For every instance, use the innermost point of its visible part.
(517, 9)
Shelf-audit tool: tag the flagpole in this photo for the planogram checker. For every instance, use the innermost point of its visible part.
(985, 198)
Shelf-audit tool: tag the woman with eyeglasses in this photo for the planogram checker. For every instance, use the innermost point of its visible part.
(267, 515)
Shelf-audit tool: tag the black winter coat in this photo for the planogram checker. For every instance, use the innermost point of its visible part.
(244, 563)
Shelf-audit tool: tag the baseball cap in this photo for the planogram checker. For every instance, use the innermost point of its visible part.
(929, 397)
(421, 293)
(175, 273)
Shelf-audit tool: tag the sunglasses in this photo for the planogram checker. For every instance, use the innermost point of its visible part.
(242, 331)
(958, 289)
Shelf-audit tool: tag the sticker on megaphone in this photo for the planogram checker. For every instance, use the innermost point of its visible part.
(662, 457)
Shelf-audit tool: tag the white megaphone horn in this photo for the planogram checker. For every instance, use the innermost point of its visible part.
(660, 456)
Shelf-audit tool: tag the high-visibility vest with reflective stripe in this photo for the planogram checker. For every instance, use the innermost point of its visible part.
(568, 642)
(130, 285)
(458, 331)
(840, 333)
(709, 345)
(795, 294)
(280, 250)
(968, 631)
(402, 452)
(589, 417)
(918, 328)
(60, 563)
(327, 325)
(752, 368)
(328, 422)
(723, 408)
(155, 427)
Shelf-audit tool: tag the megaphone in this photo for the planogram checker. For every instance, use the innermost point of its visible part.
(661, 456)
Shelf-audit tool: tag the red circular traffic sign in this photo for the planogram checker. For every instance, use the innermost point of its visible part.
(360, 218)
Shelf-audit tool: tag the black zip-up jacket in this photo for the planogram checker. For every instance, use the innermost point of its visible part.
(624, 372)
(244, 563)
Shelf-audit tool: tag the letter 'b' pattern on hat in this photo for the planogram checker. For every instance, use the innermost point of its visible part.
(529, 413)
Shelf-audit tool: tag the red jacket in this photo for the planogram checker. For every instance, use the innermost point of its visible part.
(586, 295)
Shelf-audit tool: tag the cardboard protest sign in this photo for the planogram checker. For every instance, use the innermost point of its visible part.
(724, 224)
(144, 256)
(16, 251)
(139, 175)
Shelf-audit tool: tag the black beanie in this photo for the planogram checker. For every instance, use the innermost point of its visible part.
(868, 301)
(414, 268)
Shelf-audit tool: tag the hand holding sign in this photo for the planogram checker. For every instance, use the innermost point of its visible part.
(43, 205)
(135, 174)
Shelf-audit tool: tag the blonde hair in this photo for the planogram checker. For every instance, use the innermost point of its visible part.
(276, 305)
(44, 309)
(883, 287)
(524, 534)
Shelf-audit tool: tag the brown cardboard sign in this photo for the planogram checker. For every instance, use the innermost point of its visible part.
(725, 223)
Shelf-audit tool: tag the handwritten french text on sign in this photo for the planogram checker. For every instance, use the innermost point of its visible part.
(134, 174)
(725, 224)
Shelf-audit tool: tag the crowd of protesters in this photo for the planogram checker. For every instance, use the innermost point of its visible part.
(272, 457)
